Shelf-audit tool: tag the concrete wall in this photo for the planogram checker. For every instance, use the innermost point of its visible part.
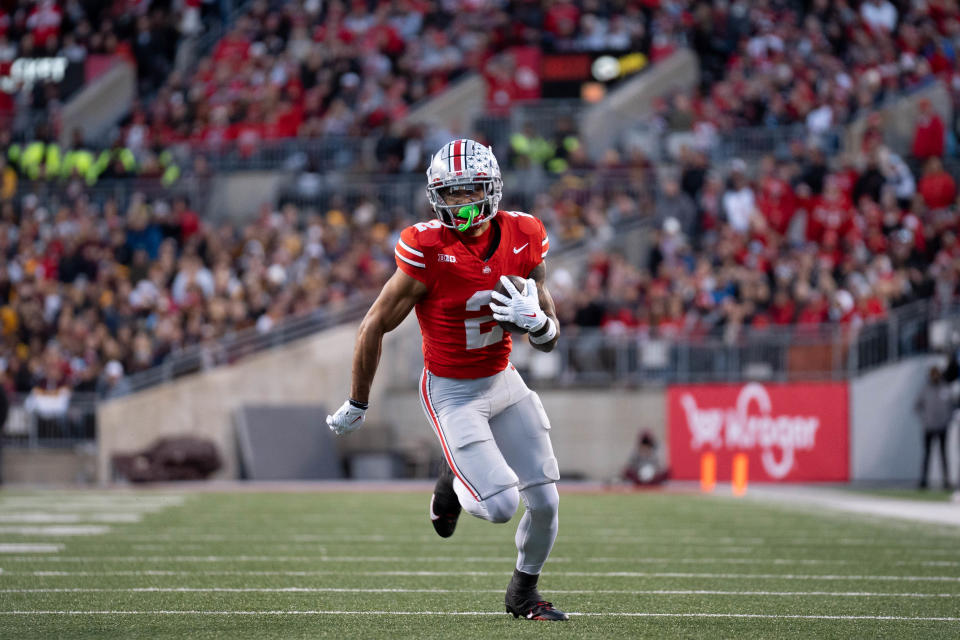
(455, 108)
(100, 105)
(312, 370)
(237, 195)
(886, 437)
(604, 123)
(48, 466)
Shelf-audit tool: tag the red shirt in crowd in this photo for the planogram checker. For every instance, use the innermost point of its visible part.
(44, 22)
(832, 212)
(938, 189)
(777, 203)
(928, 138)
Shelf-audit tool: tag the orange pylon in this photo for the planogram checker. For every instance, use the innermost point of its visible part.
(708, 471)
(741, 467)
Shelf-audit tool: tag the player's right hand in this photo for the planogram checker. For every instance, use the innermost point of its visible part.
(348, 417)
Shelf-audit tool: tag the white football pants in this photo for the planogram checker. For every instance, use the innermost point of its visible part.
(495, 436)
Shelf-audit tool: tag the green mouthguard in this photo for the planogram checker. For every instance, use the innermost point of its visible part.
(468, 212)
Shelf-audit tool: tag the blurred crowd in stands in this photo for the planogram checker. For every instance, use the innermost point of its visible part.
(766, 63)
(145, 32)
(802, 241)
(323, 69)
(90, 292)
(797, 241)
(346, 68)
(315, 69)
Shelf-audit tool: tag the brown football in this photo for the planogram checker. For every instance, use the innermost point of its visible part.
(521, 285)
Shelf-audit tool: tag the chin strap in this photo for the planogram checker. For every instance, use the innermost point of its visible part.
(468, 212)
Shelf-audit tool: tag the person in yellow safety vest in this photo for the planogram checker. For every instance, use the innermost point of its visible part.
(78, 160)
(565, 142)
(40, 159)
(529, 149)
(115, 162)
(171, 171)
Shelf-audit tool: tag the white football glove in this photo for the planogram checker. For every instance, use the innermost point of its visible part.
(347, 418)
(522, 309)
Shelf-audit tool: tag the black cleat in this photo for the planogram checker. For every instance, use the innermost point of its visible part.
(523, 600)
(444, 505)
(541, 610)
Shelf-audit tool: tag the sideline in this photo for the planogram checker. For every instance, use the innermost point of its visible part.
(944, 513)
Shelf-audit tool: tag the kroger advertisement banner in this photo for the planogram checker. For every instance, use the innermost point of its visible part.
(790, 432)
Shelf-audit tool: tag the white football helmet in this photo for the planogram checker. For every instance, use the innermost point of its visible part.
(462, 163)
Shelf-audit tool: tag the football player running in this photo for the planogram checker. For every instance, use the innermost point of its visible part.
(493, 430)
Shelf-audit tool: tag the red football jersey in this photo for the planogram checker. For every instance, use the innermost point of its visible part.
(460, 337)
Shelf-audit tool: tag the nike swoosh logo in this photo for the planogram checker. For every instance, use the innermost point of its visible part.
(529, 315)
(517, 250)
(355, 419)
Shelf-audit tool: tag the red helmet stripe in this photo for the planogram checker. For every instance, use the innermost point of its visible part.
(458, 156)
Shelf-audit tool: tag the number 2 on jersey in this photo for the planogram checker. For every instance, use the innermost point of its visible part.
(476, 338)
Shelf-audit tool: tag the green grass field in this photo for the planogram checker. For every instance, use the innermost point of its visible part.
(368, 565)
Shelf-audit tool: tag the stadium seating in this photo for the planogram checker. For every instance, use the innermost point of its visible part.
(799, 241)
(146, 34)
(766, 64)
(91, 291)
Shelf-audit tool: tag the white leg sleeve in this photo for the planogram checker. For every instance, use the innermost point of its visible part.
(499, 507)
(538, 527)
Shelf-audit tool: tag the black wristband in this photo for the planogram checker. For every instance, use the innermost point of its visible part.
(358, 405)
(542, 330)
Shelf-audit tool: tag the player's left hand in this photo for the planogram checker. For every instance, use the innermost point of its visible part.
(522, 309)
(347, 418)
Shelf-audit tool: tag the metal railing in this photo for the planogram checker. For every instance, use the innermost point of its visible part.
(750, 143)
(26, 428)
(829, 351)
(747, 143)
(521, 188)
(329, 153)
(593, 357)
(52, 194)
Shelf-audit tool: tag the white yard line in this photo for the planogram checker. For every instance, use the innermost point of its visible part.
(175, 534)
(29, 547)
(675, 592)
(198, 558)
(467, 559)
(474, 613)
(592, 574)
(292, 539)
(39, 517)
(58, 530)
